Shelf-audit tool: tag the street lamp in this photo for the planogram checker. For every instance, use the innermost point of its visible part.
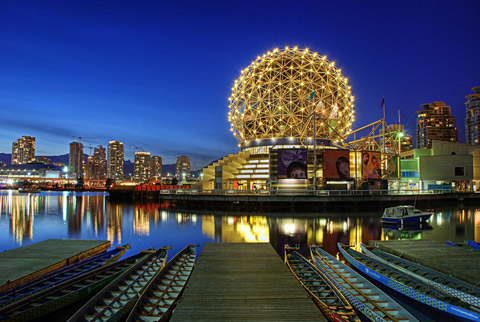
(400, 135)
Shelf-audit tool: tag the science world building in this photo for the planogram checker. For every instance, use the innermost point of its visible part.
(291, 112)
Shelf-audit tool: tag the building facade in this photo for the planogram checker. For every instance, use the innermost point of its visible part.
(141, 170)
(115, 160)
(435, 122)
(96, 167)
(156, 168)
(23, 150)
(472, 117)
(76, 160)
(182, 168)
(445, 165)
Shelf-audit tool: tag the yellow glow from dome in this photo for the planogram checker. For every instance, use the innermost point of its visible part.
(264, 103)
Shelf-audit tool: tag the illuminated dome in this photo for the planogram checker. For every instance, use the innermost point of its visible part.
(276, 95)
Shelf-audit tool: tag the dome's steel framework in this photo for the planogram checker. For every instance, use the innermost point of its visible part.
(279, 94)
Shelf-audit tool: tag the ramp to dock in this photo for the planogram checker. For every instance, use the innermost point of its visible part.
(243, 282)
(456, 261)
(20, 265)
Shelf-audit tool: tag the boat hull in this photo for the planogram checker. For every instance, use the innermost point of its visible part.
(358, 290)
(407, 219)
(326, 296)
(408, 291)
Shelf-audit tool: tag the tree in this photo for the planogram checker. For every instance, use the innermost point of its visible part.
(109, 183)
(80, 184)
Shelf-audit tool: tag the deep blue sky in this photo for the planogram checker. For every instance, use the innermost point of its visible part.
(158, 74)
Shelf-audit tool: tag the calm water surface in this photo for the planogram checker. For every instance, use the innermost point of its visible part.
(30, 218)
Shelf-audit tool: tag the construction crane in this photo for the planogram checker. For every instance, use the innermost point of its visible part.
(78, 138)
(90, 147)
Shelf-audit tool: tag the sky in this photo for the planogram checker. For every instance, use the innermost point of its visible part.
(156, 75)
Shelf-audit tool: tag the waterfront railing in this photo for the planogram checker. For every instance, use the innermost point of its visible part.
(284, 192)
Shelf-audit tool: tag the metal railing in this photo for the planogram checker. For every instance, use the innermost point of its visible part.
(285, 192)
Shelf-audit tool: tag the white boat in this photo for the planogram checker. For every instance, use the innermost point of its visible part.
(404, 214)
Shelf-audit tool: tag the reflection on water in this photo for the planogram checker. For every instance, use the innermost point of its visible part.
(27, 218)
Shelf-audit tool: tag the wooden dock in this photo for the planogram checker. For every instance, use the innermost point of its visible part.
(243, 282)
(23, 264)
(456, 261)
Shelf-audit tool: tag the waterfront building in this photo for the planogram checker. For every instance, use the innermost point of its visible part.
(290, 111)
(76, 160)
(115, 160)
(156, 168)
(446, 165)
(31, 171)
(472, 117)
(23, 150)
(182, 168)
(435, 122)
(141, 170)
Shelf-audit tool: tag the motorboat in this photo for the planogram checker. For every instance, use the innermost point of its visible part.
(405, 214)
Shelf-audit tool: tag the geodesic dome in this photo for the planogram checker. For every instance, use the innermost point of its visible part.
(277, 94)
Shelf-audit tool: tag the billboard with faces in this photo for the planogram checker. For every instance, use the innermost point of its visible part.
(292, 163)
(371, 165)
(336, 164)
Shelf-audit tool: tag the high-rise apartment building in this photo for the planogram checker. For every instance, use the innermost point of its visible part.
(141, 170)
(23, 150)
(435, 122)
(115, 160)
(100, 157)
(472, 117)
(76, 160)
(182, 169)
(96, 167)
(156, 167)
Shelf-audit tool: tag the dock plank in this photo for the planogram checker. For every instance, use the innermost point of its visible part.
(455, 261)
(243, 282)
(20, 265)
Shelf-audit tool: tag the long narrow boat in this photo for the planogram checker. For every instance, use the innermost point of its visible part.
(407, 284)
(69, 292)
(118, 298)
(60, 275)
(468, 245)
(367, 299)
(473, 244)
(425, 272)
(326, 296)
(159, 298)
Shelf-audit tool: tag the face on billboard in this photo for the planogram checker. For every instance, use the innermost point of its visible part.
(292, 163)
(371, 165)
(337, 164)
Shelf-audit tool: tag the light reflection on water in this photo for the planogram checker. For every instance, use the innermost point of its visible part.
(29, 218)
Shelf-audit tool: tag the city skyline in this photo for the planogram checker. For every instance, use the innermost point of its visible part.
(158, 76)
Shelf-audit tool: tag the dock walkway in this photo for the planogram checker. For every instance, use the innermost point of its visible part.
(23, 264)
(456, 261)
(243, 282)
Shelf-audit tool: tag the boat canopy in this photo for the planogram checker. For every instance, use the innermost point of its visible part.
(398, 211)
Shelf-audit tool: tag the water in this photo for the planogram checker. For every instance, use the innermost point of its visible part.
(30, 218)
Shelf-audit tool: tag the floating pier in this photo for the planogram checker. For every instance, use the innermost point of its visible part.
(455, 261)
(243, 282)
(20, 265)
